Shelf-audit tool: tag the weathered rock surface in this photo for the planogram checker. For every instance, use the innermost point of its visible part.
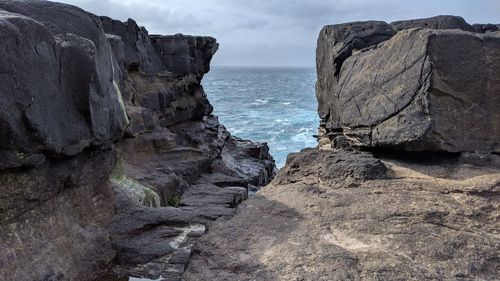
(417, 89)
(53, 219)
(432, 219)
(404, 208)
(342, 168)
(438, 22)
(183, 156)
(67, 68)
(110, 160)
(60, 111)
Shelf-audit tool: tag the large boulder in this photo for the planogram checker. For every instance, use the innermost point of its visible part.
(335, 44)
(422, 89)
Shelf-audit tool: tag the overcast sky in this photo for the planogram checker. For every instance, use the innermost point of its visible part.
(275, 32)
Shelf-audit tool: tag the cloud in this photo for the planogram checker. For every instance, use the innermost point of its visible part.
(274, 32)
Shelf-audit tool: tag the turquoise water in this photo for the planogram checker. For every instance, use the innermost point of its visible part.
(273, 105)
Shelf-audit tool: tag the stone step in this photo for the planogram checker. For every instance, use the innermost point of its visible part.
(208, 194)
(222, 180)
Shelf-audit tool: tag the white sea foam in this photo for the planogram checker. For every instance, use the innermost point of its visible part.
(268, 105)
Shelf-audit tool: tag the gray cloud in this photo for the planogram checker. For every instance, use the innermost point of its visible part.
(275, 32)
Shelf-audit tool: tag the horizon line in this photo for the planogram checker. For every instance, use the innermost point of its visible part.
(263, 66)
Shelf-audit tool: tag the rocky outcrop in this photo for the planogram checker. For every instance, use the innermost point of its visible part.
(415, 89)
(67, 68)
(341, 169)
(182, 156)
(414, 203)
(110, 160)
(60, 111)
(427, 217)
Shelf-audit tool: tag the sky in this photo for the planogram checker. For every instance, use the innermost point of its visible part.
(275, 32)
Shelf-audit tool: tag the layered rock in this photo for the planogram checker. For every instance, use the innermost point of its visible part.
(406, 87)
(182, 156)
(109, 155)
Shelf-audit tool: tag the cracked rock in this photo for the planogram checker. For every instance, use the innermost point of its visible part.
(422, 89)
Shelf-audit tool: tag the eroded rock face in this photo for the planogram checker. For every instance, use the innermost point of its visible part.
(71, 75)
(183, 156)
(418, 89)
(138, 52)
(110, 159)
(60, 111)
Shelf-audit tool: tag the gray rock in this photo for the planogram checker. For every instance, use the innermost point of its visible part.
(414, 92)
(483, 28)
(139, 53)
(438, 22)
(147, 246)
(336, 168)
(53, 219)
(222, 180)
(250, 161)
(206, 194)
(72, 84)
(425, 221)
(61, 111)
(182, 54)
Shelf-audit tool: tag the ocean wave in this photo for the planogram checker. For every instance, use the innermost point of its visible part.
(255, 105)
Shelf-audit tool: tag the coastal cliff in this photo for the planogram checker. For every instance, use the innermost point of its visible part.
(112, 164)
(405, 181)
(110, 160)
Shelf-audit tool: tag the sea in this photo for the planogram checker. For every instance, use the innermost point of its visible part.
(273, 105)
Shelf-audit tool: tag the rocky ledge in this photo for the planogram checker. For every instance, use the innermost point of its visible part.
(405, 181)
(110, 160)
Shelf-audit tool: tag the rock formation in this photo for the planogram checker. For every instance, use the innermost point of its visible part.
(419, 202)
(111, 164)
(423, 89)
(110, 159)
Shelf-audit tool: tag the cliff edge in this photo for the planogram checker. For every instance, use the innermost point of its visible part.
(110, 160)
